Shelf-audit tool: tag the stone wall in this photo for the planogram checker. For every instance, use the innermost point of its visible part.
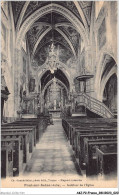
(103, 40)
(16, 62)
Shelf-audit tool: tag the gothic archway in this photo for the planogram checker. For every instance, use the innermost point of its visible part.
(110, 93)
(44, 10)
(105, 68)
(55, 90)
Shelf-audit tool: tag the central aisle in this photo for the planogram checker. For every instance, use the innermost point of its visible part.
(52, 155)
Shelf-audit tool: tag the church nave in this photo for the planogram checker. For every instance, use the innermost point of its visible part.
(52, 155)
(59, 90)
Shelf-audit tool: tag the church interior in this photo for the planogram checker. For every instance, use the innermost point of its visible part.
(59, 88)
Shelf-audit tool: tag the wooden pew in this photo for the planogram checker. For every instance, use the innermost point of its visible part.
(75, 136)
(79, 149)
(106, 159)
(96, 127)
(92, 120)
(45, 119)
(99, 130)
(88, 120)
(24, 145)
(17, 153)
(39, 124)
(87, 126)
(31, 123)
(11, 133)
(25, 129)
(90, 153)
(89, 133)
(67, 124)
(86, 123)
(90, 124)
(42, 123)
(7, 160)
(76, 132)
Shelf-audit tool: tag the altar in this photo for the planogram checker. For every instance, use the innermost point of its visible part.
(55, 113)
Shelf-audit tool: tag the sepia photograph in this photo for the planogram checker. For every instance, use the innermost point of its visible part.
(59, 94)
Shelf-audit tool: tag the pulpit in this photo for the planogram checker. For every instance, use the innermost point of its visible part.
(82, 79)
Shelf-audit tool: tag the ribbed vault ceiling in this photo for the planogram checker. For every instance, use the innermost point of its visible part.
(52, 27)
(65, 36)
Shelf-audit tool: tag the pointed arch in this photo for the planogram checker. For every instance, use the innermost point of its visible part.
(82, 15)
(100, 68)
(44, 10)
(104, 81)
(22, 15)
(42, 71)
(51, 81)
(39, 39)
(58, 30)
(68, 41)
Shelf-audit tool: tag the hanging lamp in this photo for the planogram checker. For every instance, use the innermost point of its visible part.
(53, 54)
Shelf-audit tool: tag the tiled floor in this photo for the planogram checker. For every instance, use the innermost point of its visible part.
(52, 155)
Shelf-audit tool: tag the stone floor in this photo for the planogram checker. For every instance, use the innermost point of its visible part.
(53, 154)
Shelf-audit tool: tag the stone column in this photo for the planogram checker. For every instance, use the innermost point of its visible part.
(54, 104)
(35, 104)
(42, 103)
(89, 68)
(88, 60)
(11, 105)
(8, 81)
(17, 71)
(61, 99)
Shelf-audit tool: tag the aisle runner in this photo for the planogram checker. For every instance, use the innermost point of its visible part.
(52, 154)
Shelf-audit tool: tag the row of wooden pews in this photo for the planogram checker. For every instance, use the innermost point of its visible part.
(94, 141)
(18, 140)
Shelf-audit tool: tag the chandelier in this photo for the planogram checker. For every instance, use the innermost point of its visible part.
(53, 53)
(52, 58)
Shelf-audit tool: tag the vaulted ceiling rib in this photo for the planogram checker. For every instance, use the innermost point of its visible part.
(67, 37)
